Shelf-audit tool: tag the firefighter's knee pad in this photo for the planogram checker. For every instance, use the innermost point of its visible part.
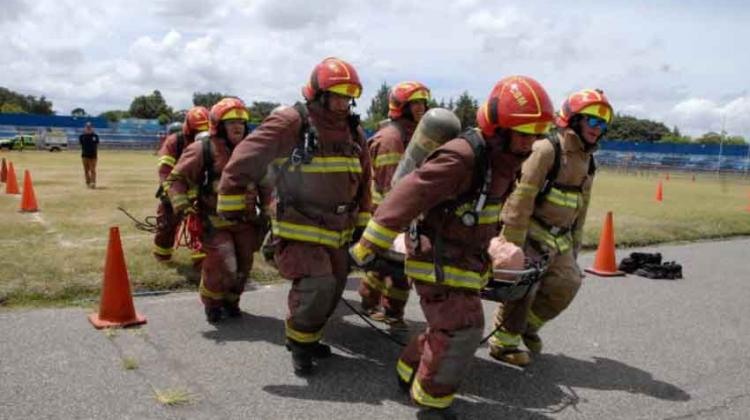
(317, 295)
(459, 352)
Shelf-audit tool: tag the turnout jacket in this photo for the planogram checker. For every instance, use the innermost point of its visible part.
(188, 177)
(553, 221)
(386, 148)
(320, 201)
(169, 153)
(445, 186)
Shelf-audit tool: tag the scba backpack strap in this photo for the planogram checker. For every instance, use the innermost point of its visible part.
(549, 181)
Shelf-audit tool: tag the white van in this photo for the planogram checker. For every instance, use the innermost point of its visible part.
(54, 140)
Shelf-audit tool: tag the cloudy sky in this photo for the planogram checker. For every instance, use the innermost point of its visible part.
(683, 62)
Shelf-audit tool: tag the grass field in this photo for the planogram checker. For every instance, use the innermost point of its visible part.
(56, 256)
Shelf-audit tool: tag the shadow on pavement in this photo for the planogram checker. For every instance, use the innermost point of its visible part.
(547, 385)
(249, 327)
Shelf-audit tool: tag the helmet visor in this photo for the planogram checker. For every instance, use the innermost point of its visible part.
(346, 89)
(541, 127)
(236, 114)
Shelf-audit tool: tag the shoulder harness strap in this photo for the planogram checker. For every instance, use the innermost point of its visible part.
(208, 166)
(553, 172)
(180, 144)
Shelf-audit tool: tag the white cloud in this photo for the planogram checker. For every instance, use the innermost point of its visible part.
(99, 55)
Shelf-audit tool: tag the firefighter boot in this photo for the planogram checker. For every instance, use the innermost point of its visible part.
(437, 414)
(318, 350)
(511, 355)
(504, 347)
(232, 309)
(532, 341)
(213, 315)
(302, 357)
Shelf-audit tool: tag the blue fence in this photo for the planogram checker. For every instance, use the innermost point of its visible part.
(690, 157)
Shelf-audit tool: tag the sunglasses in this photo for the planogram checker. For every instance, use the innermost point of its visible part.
(594, 122)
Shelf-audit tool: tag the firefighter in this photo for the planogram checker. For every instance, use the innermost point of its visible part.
(322, 176)
(196, 121)
(545, 216)
(229, 245)
(407, 103)
(459, 190)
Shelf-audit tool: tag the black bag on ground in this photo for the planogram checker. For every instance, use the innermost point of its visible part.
(638, 260)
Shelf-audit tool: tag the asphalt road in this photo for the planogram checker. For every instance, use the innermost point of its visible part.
(627, 348)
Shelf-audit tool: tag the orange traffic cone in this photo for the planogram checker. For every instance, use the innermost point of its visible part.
(693, 179)
(28, 199)
(667, 177)
(116, 305)
(11, 185)
(3, 171)
(605, 263)
(659, 192)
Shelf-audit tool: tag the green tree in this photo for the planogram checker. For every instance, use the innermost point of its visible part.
(151, 106)
(78, 112)
(11, 108)
(207, 99)
(628, 128)
(260, 110)
(24, 103)
(114, 115)
(378, 109)
(718, 138)
(466, 110)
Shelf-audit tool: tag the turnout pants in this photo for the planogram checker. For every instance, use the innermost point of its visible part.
(390, 292)
(167, 223)
(318, 274)
(226, 268)
(436, 361)
(554, 292)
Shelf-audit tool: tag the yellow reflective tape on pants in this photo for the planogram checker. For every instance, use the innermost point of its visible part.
(314, 234)
(404, 371)
(422, 398)
(162, 251)
(303, 337)
(192, 193)
(363, 218)
(505, 339)
(231, 297)
(387, 159)
(233, 202)
(372, 279)
(325, 165)
(562, 198)
(534, 320)
(167, 160)
(209, 294)
(397, 294)
(453, 277)
(379, 235)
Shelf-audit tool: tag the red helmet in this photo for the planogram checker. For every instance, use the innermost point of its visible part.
(589, 102)
(519, 103)
(403, 93)
(226, 109)
(196, 120)
(333, 75)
